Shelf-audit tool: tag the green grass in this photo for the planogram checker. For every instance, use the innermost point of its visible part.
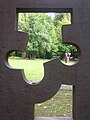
(60, 104)
(33, 69)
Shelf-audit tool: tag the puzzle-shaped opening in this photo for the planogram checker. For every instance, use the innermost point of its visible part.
(14, 89)
(18, 59)
(44, 43)
(24, 55)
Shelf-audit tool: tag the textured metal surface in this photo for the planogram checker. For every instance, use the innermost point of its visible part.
(17, 95)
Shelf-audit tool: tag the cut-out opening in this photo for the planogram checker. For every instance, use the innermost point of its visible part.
(33, 68)
(44, 44)
(71, 58)
(58, 106)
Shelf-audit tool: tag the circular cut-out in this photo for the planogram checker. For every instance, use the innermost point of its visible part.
(71, 57)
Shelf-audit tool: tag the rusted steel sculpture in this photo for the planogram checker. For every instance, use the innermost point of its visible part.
(17, 96)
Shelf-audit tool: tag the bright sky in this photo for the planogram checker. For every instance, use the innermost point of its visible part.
(52, 14)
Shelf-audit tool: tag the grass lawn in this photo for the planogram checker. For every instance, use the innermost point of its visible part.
(60, 104)
(33, 69)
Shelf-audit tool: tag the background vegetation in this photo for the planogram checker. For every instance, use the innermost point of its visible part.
(45, 35)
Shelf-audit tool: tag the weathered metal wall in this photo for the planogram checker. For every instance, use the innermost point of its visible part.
(17, 96)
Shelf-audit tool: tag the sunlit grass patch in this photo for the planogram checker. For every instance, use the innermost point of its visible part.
(59, 105)
(33, 69)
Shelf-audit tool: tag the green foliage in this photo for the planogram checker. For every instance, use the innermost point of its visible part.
(60, 17)
(45, 35)
(59, 49)
(39, 28)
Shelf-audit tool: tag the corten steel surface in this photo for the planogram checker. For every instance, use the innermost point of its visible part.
(17, 96)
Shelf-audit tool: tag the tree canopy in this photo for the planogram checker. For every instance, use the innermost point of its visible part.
(45, 34)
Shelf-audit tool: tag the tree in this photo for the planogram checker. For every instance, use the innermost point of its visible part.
(45, 34)
(60, 17)
(58, 48)
(39, 28)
